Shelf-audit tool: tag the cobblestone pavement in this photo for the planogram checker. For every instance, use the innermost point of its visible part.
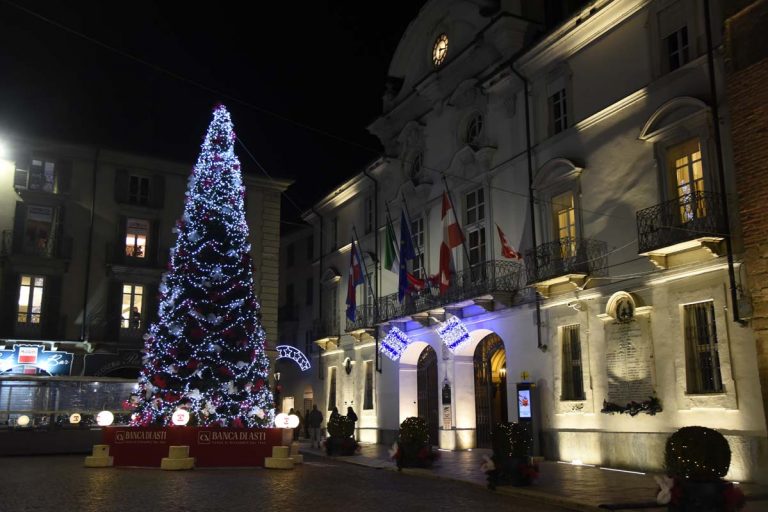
(61, 483)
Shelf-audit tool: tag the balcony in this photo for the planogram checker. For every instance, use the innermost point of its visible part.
(485, 284)
(45, 255)
(568, 261)
(325, 333)
(682, 230)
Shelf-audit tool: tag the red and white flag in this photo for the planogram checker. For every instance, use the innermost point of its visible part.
(506, 250)
(452, 237)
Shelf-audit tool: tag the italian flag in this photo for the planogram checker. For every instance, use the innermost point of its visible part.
(391, 262)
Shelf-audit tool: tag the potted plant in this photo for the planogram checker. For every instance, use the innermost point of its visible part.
(340, 440)
(511, 461)
(696, 460)
(413, 448)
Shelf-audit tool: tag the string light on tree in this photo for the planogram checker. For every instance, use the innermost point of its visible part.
(206, 353)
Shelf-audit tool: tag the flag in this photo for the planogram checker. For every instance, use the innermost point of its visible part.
(506, 250)
(407, 252)
(452, 237)
(390, 249)
(356, 277)
(414, 283)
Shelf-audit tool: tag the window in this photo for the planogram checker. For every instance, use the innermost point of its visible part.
(310, 248)
(573, 381)
(558, 112)
(290, 251)
(38, 228)
(309, 292)
(332, 388)
(684, 161)
(674, 36)
(476, 243)
(417, 235)
(368, 393)
(475, 202)
(564, 217)
(138, 190)
(702, 360)
(133, 302)
(41, 176)
(474, 130)
(369, 211)
(30, 299)
(136, 235)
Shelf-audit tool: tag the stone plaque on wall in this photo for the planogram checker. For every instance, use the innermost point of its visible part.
(629, 361)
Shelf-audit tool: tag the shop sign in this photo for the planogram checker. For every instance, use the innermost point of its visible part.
(52, 362)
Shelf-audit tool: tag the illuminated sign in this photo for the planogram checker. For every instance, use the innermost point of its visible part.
(283, 420)
(180, 417)
(51, 362)
(524, 403)
(105, 418)
(294, 354)
(74, 418)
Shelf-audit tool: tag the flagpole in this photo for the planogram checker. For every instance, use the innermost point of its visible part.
(456, 214)
(419, 254)
(365, 267)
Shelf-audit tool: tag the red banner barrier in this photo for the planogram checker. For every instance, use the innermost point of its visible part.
(211, 447)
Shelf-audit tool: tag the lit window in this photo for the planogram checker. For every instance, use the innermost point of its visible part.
(702, 360)
(37, 230)
(564, 216)
(572, 377)
(133, 300)
(685, 162)
(30, 299)
(41, 176)
(558, 112)
(368, 394)
(136, 235)
(138, 190)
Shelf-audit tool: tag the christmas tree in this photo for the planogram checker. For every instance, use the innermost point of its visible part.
(206, 352)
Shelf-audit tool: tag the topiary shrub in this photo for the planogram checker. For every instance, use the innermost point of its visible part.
(341, 426)
(414, 431)
(697, 453)
(512, 440)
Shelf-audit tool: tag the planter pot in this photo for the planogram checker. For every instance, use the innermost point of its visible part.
(701, 496)
(415, 456)
(340, 446)
(516, 471)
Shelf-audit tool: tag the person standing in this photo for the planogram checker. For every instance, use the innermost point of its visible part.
(315, 420)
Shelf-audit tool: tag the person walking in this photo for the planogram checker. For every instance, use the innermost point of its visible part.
(315, 420)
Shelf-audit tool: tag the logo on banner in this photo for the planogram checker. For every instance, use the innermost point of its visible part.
(27, 355)
(204, 437)
(140, 437)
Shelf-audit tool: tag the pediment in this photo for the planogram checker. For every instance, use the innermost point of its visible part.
(672, 114)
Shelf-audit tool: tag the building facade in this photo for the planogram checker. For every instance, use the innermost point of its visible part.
(601, 148)
(85, 238)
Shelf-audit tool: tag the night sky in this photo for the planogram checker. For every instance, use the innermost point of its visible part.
(319, 64)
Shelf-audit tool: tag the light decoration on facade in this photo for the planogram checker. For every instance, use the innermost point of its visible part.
(453, 332)
(22, 420)
(295, 355)
(206, 352)
(394, 343)
(105, 418)
(75, 418)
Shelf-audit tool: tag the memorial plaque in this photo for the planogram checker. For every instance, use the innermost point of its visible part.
(629, 361)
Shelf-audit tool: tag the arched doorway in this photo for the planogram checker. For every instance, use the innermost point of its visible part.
(427, 391)
(490, 365)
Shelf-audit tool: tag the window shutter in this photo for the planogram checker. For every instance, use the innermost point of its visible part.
(122, 184)
(157, 192)
(19, 220)
(112, 318)
(8, 303)
(52, 324)
(63, 176)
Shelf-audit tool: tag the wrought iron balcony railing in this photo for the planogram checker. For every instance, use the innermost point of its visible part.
(485, 278)
(689, 217)
(325, 328)
(59, 247)
(570, 255)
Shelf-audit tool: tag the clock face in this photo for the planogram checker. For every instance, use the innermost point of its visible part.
(440, 50)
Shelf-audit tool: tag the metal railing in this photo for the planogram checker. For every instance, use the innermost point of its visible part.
(682, 219)
(569, 255)
(485, 278)
(325, 328)
(52, 247)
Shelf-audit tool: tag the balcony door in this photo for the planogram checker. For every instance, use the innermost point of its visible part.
(564, 218)
(687, 176)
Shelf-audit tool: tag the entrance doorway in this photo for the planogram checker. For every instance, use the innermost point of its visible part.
(427, 391)
(490, 362)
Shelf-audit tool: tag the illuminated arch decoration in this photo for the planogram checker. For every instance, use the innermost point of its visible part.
(394, 343)
(453, 332)
(295, 355)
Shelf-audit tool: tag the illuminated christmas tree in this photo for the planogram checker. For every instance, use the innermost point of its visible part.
(206, 353)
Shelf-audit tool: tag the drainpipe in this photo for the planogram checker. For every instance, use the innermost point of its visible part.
(377, 264)
(720, 166)
(320, 289)
(535, 261)
(89, 250)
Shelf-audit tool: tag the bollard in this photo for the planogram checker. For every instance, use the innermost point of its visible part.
(99, 457)
(178, 459)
